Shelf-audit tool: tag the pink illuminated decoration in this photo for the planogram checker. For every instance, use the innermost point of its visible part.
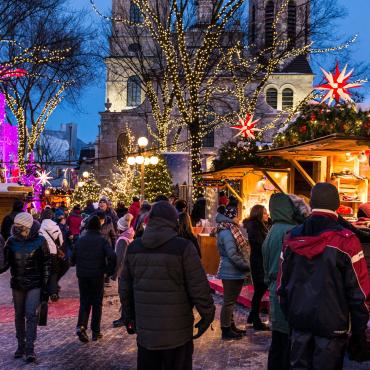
(2, 108)
(11, 73)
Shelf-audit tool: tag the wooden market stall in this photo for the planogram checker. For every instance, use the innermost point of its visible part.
(8, 194)
(337, 158)
(250, 185)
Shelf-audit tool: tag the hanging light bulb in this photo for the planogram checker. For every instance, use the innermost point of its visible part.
(131, 161)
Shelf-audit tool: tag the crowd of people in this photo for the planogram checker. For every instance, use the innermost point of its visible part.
(309, 260)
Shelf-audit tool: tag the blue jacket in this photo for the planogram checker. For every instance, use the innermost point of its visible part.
(232, 265)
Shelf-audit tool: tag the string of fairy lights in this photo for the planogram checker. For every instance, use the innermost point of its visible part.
(188, 78)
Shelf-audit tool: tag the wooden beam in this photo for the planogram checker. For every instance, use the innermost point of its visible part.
(237, 196)
(302, 171)
(273, 182)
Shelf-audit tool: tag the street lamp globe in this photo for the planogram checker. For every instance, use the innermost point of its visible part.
(139, 159)
(146, 161)
(142, 142)
(131, 161)
(85, 174)
(154, 160)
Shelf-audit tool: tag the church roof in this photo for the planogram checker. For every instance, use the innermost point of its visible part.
(298, 65)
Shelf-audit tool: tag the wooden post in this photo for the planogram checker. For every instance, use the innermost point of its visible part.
(302, 171)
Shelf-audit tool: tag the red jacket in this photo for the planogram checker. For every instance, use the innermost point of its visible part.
(134, 210)
(323, 281)
(74, 223)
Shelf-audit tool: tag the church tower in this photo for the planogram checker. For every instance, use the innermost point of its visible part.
(293, 25)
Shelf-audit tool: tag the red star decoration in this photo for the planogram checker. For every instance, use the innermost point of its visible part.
(246, 126)
(338, 85)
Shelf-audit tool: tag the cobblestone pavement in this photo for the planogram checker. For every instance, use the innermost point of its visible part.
(58, 348)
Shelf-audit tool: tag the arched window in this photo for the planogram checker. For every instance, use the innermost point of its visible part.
(135, 14)
(269, 21)
(252, 29)
(292, 24)
(122, 146)
(272, 97)
(133, 91)
(208, 140)
(288, 99)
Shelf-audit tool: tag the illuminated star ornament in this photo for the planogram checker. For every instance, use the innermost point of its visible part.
(246, 126)
(43, 178)
(338, 85)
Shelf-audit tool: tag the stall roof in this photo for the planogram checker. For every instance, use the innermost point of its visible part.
(323, 146)
(237, 172)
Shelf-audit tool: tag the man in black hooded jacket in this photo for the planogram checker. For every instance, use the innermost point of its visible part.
(161, 282)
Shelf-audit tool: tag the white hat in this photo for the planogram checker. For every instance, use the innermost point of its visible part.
(124, 222)
(25, 219)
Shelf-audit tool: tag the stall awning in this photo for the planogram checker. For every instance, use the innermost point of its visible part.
(323, 146)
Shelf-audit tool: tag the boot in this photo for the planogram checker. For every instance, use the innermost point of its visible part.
(96, 336)
(229, 334)
(21, 350)
(82, 335)
(258, 325)
(237, 330)
(30, 355)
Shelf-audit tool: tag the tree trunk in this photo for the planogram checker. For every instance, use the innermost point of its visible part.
(195, 156)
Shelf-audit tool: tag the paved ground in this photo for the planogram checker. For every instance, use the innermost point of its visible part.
(58, 348)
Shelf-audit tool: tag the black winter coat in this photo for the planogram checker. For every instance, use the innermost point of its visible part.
(159, 286)
(29, 262)
(93, 256)
(256, 236)
(7, 224)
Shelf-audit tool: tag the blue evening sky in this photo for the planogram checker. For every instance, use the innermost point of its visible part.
(92, 98)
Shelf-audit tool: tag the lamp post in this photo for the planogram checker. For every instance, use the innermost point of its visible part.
(142, 160)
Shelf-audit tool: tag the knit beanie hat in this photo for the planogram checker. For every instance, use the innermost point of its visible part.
(25, 219)
(324, 196)
(163, 209)
(125, 222)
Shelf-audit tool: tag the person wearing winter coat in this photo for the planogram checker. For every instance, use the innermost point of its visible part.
(126, 236)
(161, 281)
(107, 228)
(93, 257)
(51, 232)
(285, 213)
(233, 268)
(66, 247)
(121, 210)
(27, 255)
(105, 207)
(141, 219)
(198, 212)
(89, 209)
(257, 228)
(323, 286)
(134, 209)
(74, 221)
(186, 230)
(8, 220)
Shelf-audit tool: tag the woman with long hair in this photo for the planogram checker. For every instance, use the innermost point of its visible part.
(257, 229)
(186, 230)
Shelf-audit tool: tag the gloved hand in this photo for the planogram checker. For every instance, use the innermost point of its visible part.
(358, 348)
(130, 327)
(202, 325)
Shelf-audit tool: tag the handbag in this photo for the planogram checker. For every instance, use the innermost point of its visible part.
(60, 253)
(43, 314)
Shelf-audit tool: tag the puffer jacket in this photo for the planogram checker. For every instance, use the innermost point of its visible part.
(324, 280)
(53, 235)
(281, 212)
(161, 282)
(122, 243)
(74, 222)
(232, 265)
(28, 260)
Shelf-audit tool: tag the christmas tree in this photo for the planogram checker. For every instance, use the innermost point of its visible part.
(119, 187)
(157, 180)
(88, 189)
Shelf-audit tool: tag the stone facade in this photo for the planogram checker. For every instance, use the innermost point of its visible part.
(295, 78)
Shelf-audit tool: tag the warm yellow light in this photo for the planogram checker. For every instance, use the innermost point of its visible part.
(154, 160)
(80, 184)
(131, 161)
(142, 142)
(85, 175)
(146, 161)
(139, 159)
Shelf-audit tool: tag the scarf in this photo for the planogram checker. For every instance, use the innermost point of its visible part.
(242, 244)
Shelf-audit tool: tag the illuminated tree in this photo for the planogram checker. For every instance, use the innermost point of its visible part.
(90, 190)
(157, 180)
